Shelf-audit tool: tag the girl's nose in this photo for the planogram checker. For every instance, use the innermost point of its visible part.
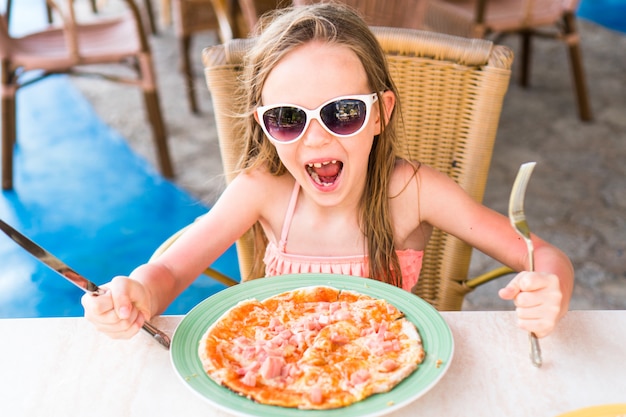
(316, 135)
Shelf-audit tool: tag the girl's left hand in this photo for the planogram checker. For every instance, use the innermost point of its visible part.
(537, 297)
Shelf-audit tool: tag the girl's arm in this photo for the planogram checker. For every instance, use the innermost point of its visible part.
(541, 297)
(237, 209)
(150, 288)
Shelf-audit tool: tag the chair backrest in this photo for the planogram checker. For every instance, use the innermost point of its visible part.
(77, 39)
(451, 91)
(389, 13)
(244, 14)
(475, 18)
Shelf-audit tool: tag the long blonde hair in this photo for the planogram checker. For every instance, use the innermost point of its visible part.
(339, 25)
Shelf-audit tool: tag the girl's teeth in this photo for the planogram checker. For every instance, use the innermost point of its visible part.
(321, 164)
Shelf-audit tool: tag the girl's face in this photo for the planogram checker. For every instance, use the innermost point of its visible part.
(330, 169)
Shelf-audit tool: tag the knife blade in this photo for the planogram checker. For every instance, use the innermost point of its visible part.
(69, 274)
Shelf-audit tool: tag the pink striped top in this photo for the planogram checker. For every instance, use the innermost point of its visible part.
(279, 262)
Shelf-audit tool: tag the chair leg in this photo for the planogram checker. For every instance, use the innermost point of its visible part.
(150, 16)
(94, 6)
(146, 73)
(155, 116)
(526, 37)
(185, 60)
(573, 41)
(49, 13)
(8, 140)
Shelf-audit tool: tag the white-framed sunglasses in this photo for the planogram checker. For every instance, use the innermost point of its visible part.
(341, 116)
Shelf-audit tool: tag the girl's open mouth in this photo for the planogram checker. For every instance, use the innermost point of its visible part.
(325, 173)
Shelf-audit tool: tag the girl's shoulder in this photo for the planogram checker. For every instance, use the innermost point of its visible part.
(260, 185)
(406, 167)
(437, 195)
(261, 177)
(408, 171)
(265, 194)
(404, 174)
(411, 181)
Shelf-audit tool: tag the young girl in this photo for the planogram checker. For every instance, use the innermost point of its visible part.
(320, 177)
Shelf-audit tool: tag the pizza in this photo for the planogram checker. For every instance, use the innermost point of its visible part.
(311, 348)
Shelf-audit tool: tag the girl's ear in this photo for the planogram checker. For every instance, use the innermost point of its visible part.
(388, 99)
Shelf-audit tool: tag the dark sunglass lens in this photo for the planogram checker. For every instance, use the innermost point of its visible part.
(344, 117)
(284, 123)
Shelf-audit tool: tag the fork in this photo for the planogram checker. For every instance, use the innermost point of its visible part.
(518, 221)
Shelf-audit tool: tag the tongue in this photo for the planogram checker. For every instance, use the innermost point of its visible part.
(330, 170)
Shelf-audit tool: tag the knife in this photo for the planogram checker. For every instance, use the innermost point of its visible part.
(68, 273)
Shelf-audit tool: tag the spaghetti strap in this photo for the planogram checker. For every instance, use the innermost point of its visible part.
(288, 217)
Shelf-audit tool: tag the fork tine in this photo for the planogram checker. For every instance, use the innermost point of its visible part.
(516, 202)
(517, 216)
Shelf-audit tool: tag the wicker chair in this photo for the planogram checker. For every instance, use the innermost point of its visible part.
(74, 48)
(451, 90)
(528, 18)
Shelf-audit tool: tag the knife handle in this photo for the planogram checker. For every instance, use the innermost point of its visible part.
(157, 334)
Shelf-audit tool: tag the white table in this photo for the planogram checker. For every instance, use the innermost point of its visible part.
(63, 367)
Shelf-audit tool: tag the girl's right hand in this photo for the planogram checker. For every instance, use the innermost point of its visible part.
(121, 311)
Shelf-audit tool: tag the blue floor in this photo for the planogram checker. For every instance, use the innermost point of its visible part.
(81, 193)
(608, 13)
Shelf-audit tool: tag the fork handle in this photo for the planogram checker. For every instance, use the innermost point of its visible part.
(535, 350)
(531, 254)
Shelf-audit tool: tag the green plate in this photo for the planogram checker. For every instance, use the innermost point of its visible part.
(435, 333)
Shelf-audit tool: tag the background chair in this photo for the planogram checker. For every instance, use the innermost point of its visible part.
(191, 17)
(451, 90)
(246, 13)
(546, 18)
(147, 10)
(74, 48)
(390, 13)
(49, 11)
(229, 18)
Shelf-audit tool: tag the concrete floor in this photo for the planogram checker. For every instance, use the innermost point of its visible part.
(576, 198)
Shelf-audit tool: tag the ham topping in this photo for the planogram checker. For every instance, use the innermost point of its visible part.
(265, 356)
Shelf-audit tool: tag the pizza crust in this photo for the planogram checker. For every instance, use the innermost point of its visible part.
(311, 348)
